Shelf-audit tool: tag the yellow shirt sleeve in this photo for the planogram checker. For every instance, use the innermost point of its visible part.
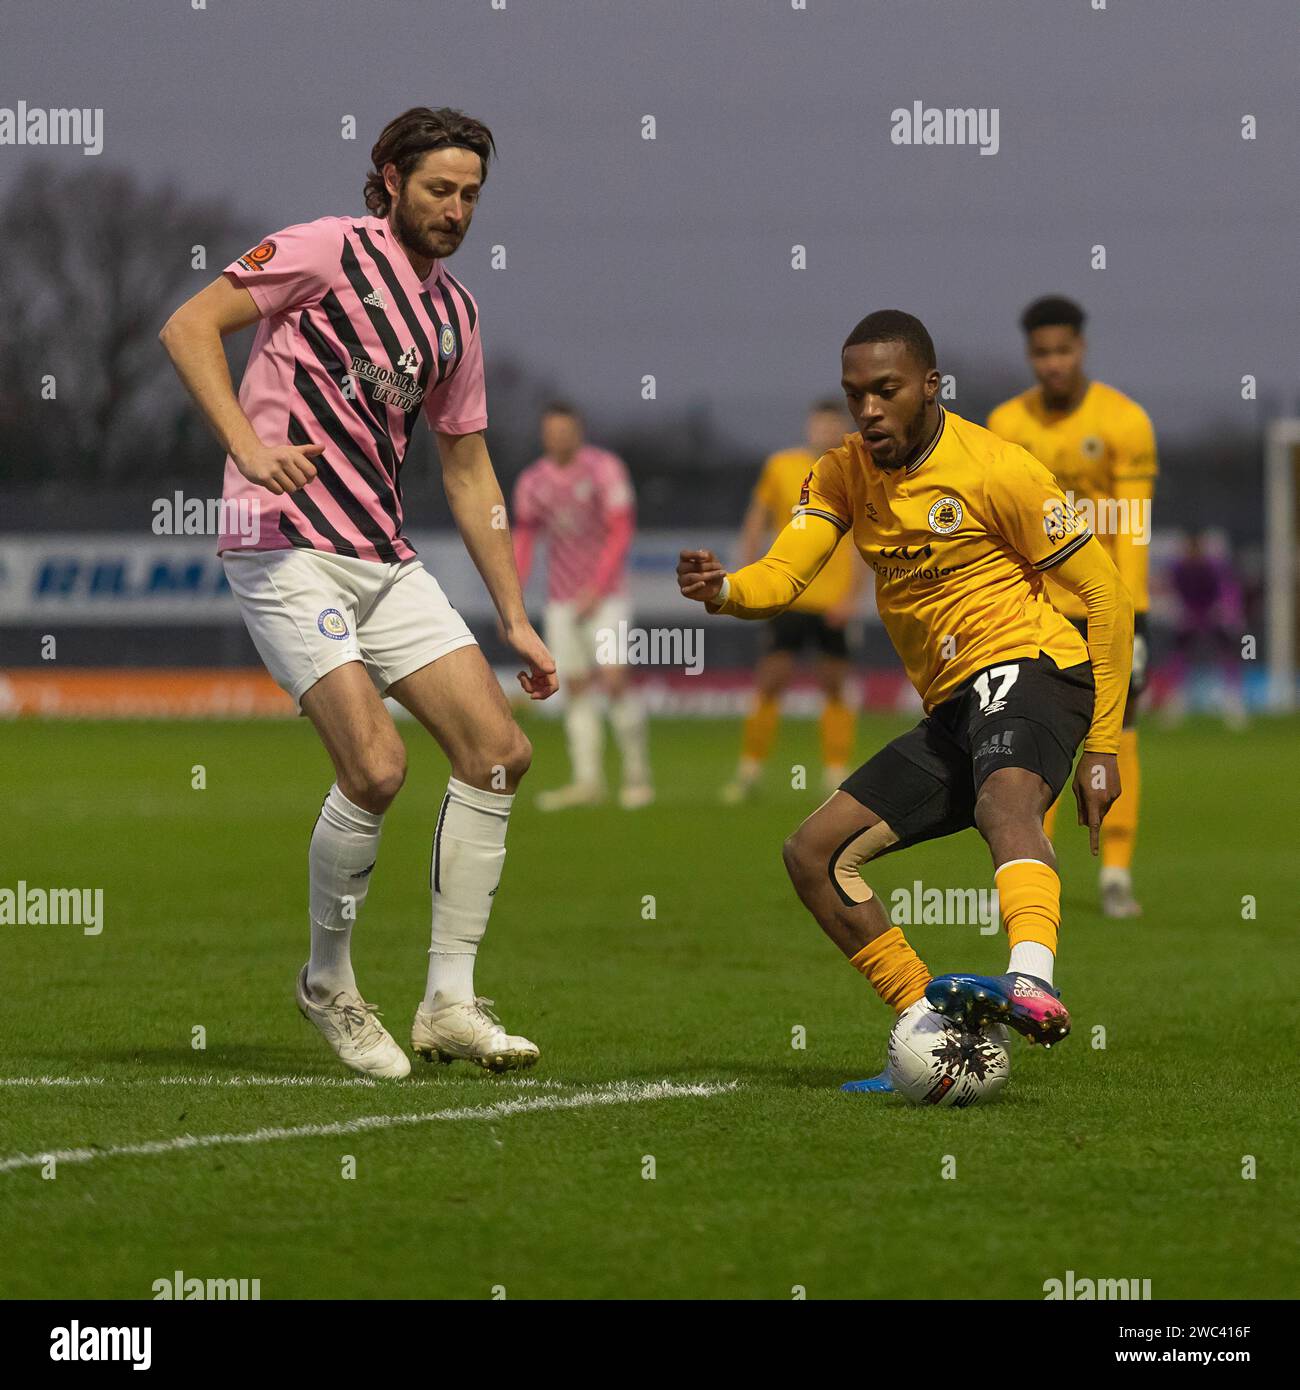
(1029, 511)
(1090, 575)
(1133, 483)
(770, 585)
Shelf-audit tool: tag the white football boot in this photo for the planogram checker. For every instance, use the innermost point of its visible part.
(352, 1028)
(469, 1033)
(635, 795)
(575, 794)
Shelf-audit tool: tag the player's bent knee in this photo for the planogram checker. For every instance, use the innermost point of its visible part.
(501, 765)
(844, 864)
(376, 780)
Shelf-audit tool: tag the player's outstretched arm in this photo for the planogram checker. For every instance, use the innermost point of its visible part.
(192, 338)
(479, 510)
(1090, 575)
(768, 586)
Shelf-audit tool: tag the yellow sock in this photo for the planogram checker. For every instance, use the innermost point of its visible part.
(1049, 820)
(760, 729)
(1119, 829)
(837, 733)
(1029, 897)
(893, 969)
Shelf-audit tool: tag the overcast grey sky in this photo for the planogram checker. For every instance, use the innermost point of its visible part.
(672, 257)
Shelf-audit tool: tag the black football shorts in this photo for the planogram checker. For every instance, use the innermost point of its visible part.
(1027, 713)
(793, 631)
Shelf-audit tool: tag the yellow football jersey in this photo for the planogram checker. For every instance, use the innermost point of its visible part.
(1103, 452)
(778, 491)
(959, 541)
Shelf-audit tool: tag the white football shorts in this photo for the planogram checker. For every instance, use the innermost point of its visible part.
(310, 611)
(577, 644)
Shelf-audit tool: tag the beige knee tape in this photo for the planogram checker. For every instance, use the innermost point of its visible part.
(852, 854)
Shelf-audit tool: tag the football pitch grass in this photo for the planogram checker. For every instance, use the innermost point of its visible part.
(672, 1141)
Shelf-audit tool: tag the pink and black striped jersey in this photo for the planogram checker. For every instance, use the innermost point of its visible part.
(351, 347)
(585, 511)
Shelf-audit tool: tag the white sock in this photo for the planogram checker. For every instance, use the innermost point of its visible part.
(1115, 876)
(469, 852)
(749, 771)
(628, 720)
(344, 846)
(586, 738)
(1032, 958)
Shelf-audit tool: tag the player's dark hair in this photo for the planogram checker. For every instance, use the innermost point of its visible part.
(1053, 311)
(562, 408)
(408, 138)
(826, 406)
(894, 326)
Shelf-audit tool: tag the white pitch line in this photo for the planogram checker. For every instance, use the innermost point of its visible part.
(350, 1083)
(51, 1080)
(617, 1093)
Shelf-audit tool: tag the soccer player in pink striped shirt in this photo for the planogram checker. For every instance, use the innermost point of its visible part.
(361, 328)
(579, 500)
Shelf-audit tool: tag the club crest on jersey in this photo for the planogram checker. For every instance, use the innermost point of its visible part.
(1092, 447)
(257, 258)
(945, 516)
(332, 624)
(446, 341)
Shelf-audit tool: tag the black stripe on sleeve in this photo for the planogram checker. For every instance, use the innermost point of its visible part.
(1064, 554)
(830, 516)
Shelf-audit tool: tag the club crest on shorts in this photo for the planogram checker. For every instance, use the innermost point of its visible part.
(945, 516)
(333, 624)
(446, 341)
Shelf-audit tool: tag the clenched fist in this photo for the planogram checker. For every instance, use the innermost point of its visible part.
(699, 575)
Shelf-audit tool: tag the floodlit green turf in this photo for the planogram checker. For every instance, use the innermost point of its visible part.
(1116, 1162)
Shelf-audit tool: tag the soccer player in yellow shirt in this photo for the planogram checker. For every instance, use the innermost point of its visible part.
(960, 528)
(817, 618)
(1100, 446)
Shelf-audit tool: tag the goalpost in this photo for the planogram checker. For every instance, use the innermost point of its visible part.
(1281, 524)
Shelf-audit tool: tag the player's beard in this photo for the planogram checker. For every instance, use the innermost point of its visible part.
(410, 232)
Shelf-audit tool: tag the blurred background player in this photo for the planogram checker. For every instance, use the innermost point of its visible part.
(1101, 447)
(817, 619)
(579, 500)
(1209, 622)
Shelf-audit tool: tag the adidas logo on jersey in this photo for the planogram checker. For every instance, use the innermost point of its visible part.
(375, 300)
